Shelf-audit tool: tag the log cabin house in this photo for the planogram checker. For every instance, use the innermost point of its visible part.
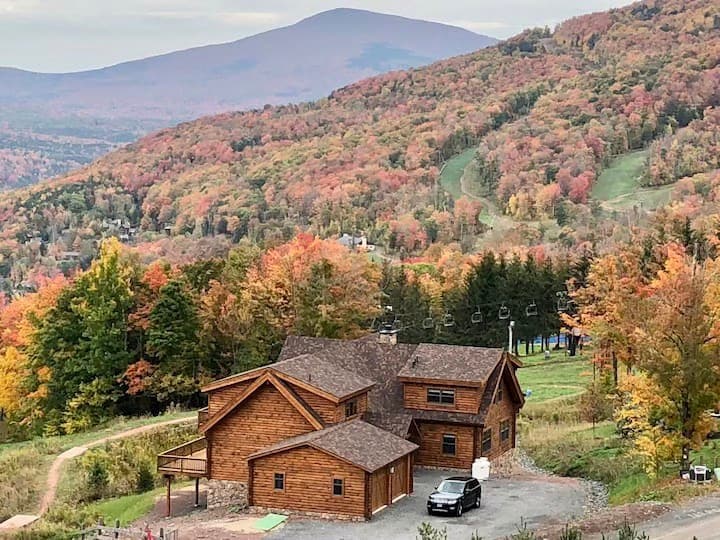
(336, 427)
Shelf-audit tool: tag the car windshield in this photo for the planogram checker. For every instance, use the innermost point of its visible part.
(451, 486)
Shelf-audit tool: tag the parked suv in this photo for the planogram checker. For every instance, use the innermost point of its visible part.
(454, 495)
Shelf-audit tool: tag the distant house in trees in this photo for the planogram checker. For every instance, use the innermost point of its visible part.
(336, 427)
(356, 242)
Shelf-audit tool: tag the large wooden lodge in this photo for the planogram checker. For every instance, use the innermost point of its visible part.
(337, 427)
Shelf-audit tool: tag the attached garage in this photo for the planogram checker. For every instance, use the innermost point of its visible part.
(352, 468)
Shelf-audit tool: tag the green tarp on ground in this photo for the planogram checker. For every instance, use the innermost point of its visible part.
(269, 522)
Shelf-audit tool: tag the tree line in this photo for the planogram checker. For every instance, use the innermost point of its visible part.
(128, 338)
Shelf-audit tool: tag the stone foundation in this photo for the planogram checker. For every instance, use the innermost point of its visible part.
(507, 464)
(224, 493)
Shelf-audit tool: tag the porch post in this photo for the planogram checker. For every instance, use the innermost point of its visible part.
(168, 509)
(197, 492)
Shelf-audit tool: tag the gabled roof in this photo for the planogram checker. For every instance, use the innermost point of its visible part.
(266, 378)
(321, 374)
(356, 442)
(466, 365)
(310, 371)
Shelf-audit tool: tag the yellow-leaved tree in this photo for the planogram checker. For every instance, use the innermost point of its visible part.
(677, 343)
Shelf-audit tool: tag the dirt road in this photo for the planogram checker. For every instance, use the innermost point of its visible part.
(57, 465)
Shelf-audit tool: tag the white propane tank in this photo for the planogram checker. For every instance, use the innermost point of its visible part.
(481, 469)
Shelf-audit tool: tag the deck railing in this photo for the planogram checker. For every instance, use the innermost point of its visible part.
(187, 459)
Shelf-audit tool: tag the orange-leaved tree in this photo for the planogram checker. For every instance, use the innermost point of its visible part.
(677, 343)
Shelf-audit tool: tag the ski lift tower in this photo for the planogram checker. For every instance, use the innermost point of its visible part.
(511, 326)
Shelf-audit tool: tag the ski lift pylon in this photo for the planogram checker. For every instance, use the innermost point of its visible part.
(503, 312)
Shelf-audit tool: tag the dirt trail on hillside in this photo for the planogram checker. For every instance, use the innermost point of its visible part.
(56, 468)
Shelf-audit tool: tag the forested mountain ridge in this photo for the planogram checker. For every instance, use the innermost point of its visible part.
(547, 112)
(86, 114)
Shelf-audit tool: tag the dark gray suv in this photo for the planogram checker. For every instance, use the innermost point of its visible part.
(454, 495)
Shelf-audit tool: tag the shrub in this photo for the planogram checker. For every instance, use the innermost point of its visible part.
(127, 466)
(145, 479)
(523, 533)
(428, 532)
(19, 481)
(570, 533)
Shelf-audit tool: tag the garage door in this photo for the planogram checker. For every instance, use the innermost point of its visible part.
(379, 493)
(398, 476)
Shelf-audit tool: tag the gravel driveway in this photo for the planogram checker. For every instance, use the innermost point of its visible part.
(505, 501)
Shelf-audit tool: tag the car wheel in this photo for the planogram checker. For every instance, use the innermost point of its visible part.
(459, 510)
(429, 512)
(477, 501)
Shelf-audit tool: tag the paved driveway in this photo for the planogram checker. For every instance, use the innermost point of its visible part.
(505, 501)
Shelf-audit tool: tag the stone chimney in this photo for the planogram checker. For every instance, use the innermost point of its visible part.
(388, 337)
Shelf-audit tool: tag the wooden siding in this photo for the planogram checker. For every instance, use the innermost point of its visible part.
(309, 475)
(265, 418)
(507, 409)
(323, 407)
(217, 399)
(467, 399)
(430, 453)
(362, 405)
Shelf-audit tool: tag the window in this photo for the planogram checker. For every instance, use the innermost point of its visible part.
(351, 408)
(443, 397)
(487, 442)
(279, 483)
(499, 395)
(504, 430)
(338, 487)
(449, 444)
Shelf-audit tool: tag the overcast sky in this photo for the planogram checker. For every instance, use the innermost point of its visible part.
(70, 35)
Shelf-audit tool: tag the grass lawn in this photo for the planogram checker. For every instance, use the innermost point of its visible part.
(57, 445)
(555, 380)
(618, 187)
(126, 509)
(453, 171)
(621, 177)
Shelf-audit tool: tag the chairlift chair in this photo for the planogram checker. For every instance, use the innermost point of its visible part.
(428, 323)
(477, 317)
(531, 310)
(503, 312)
(397, 324)
(448, 320)
(562, 303)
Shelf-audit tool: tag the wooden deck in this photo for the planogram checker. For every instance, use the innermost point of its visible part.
(189, 459)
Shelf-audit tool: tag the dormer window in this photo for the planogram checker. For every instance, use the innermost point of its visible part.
(499, 395)
(351, 408)
(441, 397)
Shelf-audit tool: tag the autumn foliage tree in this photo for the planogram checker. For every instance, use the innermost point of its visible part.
(678, 341)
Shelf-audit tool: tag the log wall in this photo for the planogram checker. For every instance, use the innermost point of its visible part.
(309, 475)
(265, 418)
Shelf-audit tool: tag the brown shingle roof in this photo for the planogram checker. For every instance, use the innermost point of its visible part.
(384, 363)
(396, 423)
(324, 375)
(472, 365)
(356, 442)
